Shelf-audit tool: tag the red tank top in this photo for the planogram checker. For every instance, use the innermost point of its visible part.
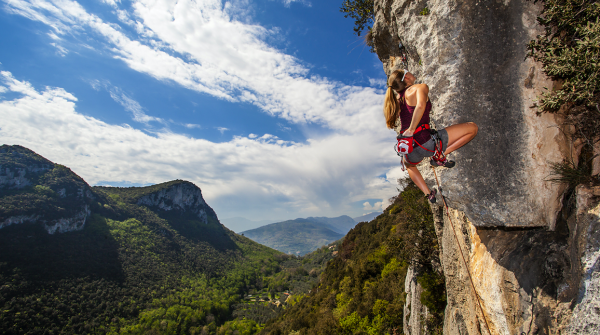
(406, 114)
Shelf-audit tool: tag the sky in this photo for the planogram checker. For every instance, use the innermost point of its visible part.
(272, 107)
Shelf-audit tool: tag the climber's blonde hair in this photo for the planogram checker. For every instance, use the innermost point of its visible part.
(395, 83)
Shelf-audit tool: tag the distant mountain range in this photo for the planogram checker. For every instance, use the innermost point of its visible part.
(367, 217)
(301, 236)
(240, 224)
(297, 237)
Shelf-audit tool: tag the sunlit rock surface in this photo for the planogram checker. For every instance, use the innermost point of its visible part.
(472, 56)
(184, 196)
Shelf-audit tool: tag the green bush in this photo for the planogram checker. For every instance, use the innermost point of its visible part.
(362, 11)
(570, 53)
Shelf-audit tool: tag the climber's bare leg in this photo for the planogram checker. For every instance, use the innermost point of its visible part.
(417, 178)
(459, 135)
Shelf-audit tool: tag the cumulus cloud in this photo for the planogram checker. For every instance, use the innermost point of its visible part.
(259, 174)
(192, 126)
(210, 47)
(377, 82)
(222, 129)
(375, 207)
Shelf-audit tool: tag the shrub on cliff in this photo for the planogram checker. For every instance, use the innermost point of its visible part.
(570, 53)
(362, 11)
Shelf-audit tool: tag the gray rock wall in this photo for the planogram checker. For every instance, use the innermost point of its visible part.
(472, 56)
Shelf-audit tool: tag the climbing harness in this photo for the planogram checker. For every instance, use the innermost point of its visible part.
(405, 145)
(461, 252)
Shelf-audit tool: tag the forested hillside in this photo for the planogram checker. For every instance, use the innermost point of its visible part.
(143, 260)
(362, 290)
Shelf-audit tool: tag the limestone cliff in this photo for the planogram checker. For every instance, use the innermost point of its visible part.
(533, 258)
(28, 179)
(182, 196)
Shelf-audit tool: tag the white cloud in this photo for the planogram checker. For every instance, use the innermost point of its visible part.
(212, 47)
(60, 49)
(287, 3)
(222, 129)
(378, 82)
(131, 106)
(192, 126)
(223, 57)
(254, 176)
(375, 207)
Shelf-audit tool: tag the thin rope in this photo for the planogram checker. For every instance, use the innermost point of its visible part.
(461, 254)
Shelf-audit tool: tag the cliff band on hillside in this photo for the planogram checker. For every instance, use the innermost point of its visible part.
(532, 256)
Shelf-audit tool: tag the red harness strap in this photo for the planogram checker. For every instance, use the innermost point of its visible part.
(438, 154)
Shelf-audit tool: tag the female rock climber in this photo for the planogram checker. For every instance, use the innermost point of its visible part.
(410, 103)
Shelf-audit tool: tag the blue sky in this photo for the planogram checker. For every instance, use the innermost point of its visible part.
(273, 108)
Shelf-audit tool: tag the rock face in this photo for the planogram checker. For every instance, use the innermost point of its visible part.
(27, 179)
(533, 281)
(184, 197)
(530, 249)
(414, 311)
(472, 55)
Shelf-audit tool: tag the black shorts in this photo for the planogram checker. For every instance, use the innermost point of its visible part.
(418, 153)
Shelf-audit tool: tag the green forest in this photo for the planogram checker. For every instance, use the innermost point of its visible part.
(132, 269)
(136, 269)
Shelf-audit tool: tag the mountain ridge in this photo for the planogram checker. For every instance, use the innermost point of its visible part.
(136, 253)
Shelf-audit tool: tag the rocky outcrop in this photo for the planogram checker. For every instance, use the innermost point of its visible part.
(184, 197)
(74, 223)
(28, 180)
(18, 220)
(414, 311)
(532, 281)
(531, 249)
(586, 314)
(18, 167)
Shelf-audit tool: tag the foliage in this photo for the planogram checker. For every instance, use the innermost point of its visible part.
(572, 175)
(570, 53)
(362, 290)
(424, 11)
(131, 269)
(362, 11)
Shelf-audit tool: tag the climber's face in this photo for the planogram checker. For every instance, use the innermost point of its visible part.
(409, 79)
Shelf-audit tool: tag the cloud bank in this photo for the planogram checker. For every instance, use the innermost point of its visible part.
(208, 47)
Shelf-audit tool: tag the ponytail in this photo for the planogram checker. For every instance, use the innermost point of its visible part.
(395, 83)
(389, 108)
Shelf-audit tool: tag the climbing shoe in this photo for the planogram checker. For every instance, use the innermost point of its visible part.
(443, 162)
(431, 196)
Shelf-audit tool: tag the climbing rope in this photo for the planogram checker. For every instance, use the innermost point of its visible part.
(461, 253)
